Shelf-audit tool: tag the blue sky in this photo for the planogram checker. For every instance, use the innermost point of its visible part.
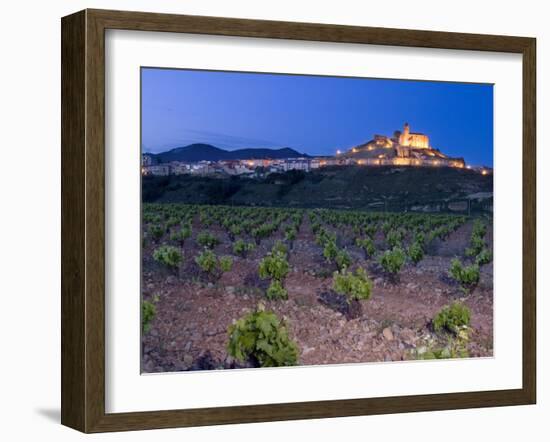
(312, 114)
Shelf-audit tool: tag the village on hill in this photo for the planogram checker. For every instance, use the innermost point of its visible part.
(403, 148)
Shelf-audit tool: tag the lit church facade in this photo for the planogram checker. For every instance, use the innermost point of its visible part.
(404, 148)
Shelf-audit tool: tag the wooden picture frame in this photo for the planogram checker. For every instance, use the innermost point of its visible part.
(83, 220)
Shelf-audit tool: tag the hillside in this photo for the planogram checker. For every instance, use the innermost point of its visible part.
(207, 152)
(372, 188)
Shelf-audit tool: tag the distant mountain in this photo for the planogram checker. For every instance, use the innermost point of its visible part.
(207, 152)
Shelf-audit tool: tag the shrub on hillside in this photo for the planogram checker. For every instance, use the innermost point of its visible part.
(181, 235)
(235, 230)
(148, 312)
(354, 286)
(367, 244)
(276, 267)
(213, 265)
(484, 257)
(206, 239)
(276, 290)
(260, 337)
(156, 231)
(279, 248)
(466, 276)
(416, 252)
(342, 260)
(226, 263)
(172, 221)
(168, 255)
(452, 318)
(241, 247)
(394, 238)
(392, 260)
(291, 233)
(420, 239)
(476, 246)
(263, 231)
(323, 237)
(370, 230)
(330, 251)
(479, 228)
(207, 261)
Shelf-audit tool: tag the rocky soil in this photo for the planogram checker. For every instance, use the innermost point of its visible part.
(189, 331)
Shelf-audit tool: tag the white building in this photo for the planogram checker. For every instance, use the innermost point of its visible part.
(146, 160)
(157, 169)
(180, 168)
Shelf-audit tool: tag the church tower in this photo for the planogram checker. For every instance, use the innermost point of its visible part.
(404, 137)
(413, 140)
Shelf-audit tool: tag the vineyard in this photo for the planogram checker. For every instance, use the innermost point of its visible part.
(235, 287)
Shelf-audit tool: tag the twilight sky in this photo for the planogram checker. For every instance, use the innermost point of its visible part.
(312, 114)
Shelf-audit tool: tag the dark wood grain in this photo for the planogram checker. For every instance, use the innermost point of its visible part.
(83, 220)
(95, 221)
(145, 21)
(529, 221)
(73, 253)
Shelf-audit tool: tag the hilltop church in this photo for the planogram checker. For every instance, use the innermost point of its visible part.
(404, 148)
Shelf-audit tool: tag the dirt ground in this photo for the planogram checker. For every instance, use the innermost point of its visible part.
(189, 331)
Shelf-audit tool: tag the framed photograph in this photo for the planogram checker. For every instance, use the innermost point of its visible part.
(267, 220)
